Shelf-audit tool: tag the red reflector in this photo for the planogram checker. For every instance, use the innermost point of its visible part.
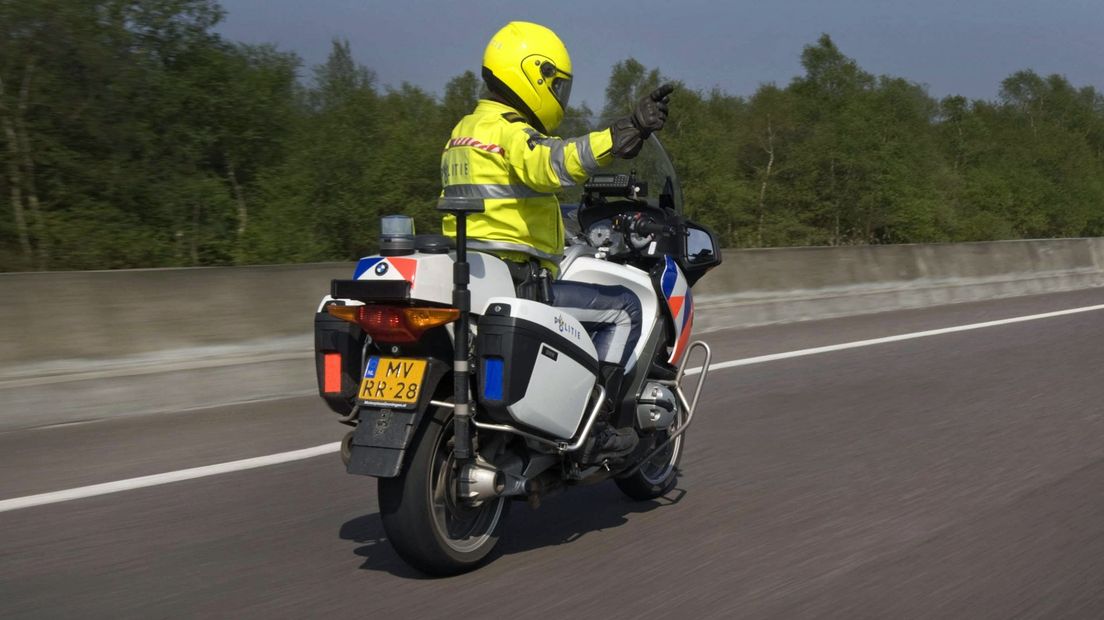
(331, 375)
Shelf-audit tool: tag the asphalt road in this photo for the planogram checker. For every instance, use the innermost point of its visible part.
(952, 476)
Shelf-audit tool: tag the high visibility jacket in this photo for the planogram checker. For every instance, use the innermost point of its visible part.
(496, 155)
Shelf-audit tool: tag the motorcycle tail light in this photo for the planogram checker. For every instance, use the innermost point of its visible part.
(395, 324)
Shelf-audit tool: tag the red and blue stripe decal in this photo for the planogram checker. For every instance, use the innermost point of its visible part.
(386, 268)
(687, 329)
(681, 305)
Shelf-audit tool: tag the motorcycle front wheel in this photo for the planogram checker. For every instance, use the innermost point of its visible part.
(656, 476)
(427, 526)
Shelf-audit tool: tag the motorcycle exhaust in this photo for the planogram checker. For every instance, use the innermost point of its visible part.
(480, 481)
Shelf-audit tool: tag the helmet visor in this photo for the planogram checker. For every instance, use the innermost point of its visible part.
(561, 89)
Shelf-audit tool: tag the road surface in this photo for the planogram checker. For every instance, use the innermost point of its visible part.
(955, 475)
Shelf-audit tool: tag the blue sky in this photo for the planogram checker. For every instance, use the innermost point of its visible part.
(952, 46)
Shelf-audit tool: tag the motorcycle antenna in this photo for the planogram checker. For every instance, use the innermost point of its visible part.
(460, 207)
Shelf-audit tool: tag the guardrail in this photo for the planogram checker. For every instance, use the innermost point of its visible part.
(81, 345)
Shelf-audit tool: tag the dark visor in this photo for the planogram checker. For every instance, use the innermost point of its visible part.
(561, 90)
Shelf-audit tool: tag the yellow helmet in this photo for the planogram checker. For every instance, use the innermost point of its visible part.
(528, 66)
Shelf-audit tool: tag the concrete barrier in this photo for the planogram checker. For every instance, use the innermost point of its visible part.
(88, 345)
(777, 285)
(757, 287)
(111, 314)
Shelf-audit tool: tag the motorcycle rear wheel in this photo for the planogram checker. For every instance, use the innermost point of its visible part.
(427, 526)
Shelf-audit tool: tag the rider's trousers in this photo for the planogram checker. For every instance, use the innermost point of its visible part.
(610, 314)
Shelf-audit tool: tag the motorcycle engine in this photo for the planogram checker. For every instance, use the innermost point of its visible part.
(656, 408)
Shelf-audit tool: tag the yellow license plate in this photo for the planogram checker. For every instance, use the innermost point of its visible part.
(392, 381)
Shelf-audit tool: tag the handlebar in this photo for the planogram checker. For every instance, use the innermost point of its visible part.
(644, 226)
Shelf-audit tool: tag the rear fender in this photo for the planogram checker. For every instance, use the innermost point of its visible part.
(382, 435)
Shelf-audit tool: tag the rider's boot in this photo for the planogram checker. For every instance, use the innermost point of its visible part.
(608, 442)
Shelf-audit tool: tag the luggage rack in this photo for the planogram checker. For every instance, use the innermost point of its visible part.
(559, 446)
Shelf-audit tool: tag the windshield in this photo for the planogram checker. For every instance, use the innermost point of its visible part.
(652, 165)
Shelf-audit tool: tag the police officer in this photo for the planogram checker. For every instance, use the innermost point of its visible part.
(502, 152)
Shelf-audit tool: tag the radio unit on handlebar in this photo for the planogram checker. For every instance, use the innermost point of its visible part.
(616, 185)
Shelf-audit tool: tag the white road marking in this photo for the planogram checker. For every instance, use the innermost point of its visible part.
(298, 455)
(165, 478)
(748, 361)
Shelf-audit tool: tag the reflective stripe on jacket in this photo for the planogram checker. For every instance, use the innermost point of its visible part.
(495, 154)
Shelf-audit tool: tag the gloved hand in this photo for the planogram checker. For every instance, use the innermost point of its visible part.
(649, 115)
(651, 112)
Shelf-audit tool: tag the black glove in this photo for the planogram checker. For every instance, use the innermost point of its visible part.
(651, 112)
(649, 115)
(627, 140)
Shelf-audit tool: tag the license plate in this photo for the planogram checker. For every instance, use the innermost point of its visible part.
(392, 381)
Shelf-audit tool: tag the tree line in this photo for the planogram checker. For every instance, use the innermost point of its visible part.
(133, 135)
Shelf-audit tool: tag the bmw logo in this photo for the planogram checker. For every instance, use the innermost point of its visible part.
(381, 268)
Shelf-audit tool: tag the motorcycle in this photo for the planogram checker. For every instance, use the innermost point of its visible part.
(468, 391)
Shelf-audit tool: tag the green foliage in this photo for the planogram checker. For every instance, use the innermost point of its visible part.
(127, 126)
(840, 156)
(131, 135)
(356, 154)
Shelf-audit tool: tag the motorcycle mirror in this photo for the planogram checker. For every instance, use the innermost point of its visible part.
(699, 247)
(700, 252)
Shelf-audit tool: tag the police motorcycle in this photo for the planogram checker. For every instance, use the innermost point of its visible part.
(466, 396)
